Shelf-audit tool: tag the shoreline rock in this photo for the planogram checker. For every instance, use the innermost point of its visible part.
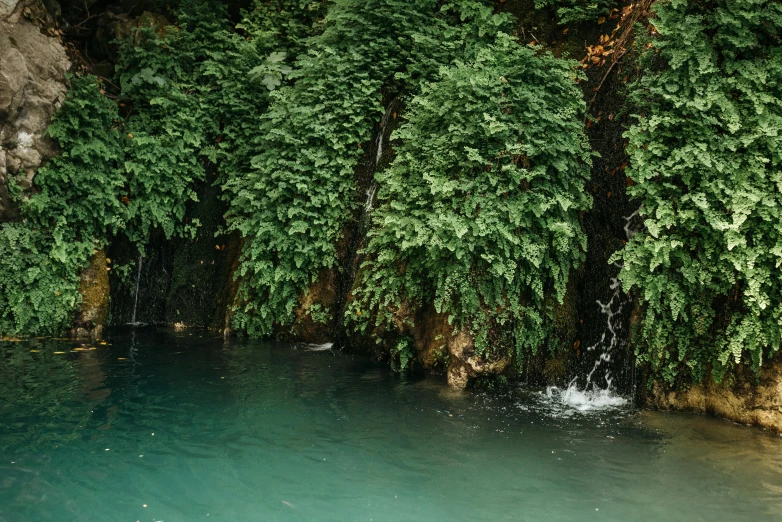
(742, 398)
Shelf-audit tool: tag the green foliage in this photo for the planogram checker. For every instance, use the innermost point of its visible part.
(479, 211)
(294, 203)
(705, 158)
(403, 353)
(271, 35)
(81, 187)
(165, 80)
(76, 205)
(577, 11)
(281, 110)
(189, 97)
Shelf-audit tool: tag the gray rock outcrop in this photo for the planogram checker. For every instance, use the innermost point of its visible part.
(32, 85)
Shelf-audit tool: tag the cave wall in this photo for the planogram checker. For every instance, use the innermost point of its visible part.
(742, 396)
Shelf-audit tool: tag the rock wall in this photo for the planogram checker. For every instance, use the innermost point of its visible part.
(32, 85)
(33, 64)
(94, 289)
(741, 397)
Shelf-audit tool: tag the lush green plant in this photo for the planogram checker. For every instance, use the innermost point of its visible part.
(76, 205)
(576, 11)
(190, 96)
(479, 211)
(256, 62)
(404, 352)
(292, 207)
(165, 80)
(705, 159)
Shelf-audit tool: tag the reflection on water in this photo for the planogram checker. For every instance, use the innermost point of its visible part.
(192, 426)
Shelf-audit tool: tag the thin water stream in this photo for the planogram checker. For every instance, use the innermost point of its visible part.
(170, 426)
(135, 292)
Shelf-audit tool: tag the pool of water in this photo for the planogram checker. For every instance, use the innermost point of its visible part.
(169, 426)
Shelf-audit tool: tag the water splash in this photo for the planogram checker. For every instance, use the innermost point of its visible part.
(598, 392)
(596, 399)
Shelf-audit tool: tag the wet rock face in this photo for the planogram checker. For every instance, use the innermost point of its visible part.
(32, 85)
(741, 398)
(94, 289)
(440, 347)
(7, 7)
(465, 364)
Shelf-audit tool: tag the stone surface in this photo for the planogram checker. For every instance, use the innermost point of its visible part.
(32, 86)
(94, 290)
(322, 292)
(742, 398)
(441, 347)
(7, 7)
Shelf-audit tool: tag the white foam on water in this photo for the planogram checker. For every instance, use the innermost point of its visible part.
(566, 402)
(586, 400)
(318, 347)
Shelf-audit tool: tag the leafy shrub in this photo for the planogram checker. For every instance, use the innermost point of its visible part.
(170, 121)
(76, 205)
(576, 11)
(301, 192)
(256, 62)
(705, 159)
(188, 97)
(479, 211)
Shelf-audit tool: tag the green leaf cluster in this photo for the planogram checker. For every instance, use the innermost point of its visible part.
(168, 83)
(706, 159)
(578, 11)
(294, 203)
(479, 210)
(75, 207)
(130, 165)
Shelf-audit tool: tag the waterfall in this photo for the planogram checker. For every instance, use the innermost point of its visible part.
(378, 156)
(138, 281)
(598, 392)
(370, 165)
(609, 340)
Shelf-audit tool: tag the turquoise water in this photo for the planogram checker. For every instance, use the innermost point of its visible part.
(195, 428)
